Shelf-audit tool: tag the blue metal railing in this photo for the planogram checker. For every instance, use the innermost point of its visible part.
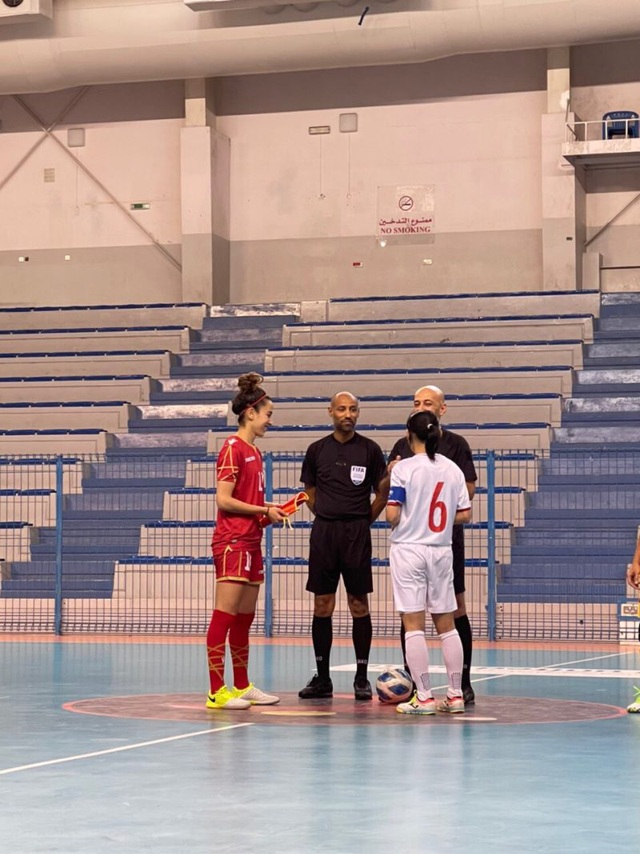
(121, 543)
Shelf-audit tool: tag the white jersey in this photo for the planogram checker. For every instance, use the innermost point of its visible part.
(430, 492)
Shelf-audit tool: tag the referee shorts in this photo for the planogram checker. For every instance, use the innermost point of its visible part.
(340, 547)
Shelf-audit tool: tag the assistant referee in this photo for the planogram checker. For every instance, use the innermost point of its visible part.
(430, 398)
(339, 474)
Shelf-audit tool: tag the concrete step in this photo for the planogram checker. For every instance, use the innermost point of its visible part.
(191, 398)
(126, 483)
(586, 480)
(543, 536)
(621, 304)
(211, 371)
(177, 425)
(192, 443)
(239, 345)
(217, 360)
(592, 497)
(117, 501)
(607, 376)
(605, 390)
(608, 324)
(626, 347)
(631, 333)
(88, 551)
(590, 465)
(240, 314)
(591, 558)
(595, 405)
(240, 336)
(603, 362)
(132, 469)
(594, 522)
(212, 385)
(178, 411)
(565, 591)
(597, 434)
(139, 449)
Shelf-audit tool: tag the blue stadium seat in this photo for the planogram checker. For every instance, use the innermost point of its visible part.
(621, 123)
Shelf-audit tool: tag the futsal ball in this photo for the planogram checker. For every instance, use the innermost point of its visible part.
(394, 685)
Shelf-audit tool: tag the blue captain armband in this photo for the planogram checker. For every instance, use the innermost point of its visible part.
(397, 495)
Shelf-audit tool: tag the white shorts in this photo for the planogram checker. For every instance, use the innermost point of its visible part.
(422, 578)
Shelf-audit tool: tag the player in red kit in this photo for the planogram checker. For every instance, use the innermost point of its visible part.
(236, 548)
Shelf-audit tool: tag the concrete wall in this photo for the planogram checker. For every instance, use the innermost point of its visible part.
(304, 208)
(132, 138)
(607, 77)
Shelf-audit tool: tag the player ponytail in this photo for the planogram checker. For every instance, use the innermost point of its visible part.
(250, 395)
(426, 428)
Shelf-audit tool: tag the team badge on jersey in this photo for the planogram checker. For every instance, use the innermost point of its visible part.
(357, 475)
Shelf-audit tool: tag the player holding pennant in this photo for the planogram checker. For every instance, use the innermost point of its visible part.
(236, 548)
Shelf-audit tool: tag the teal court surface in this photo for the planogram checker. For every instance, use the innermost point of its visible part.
(106, 746)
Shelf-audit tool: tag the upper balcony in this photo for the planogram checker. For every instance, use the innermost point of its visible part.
(611, 141)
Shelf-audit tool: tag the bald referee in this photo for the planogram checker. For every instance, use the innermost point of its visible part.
(339, 473)
(430, 398)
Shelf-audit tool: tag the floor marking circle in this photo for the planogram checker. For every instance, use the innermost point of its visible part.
(301, 714)
(344, 710)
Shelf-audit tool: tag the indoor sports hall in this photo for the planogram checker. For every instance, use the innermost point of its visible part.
(370, 200)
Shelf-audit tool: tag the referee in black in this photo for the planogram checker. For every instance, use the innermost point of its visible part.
(454, 447)
(339, 474)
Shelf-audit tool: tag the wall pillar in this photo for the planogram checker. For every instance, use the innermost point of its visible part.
(205, 199)
(563, 194)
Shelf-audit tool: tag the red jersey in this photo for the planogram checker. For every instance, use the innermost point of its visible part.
(241, 464)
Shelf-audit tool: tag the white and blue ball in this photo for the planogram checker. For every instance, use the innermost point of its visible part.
(394, 685)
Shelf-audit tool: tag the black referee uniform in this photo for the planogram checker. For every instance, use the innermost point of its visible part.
(344, 475)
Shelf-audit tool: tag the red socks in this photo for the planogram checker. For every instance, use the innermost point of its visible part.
(239, 646)
(219, 627)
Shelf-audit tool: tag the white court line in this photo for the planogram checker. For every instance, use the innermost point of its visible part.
(504, 672)
(119, 749)
(597, 658)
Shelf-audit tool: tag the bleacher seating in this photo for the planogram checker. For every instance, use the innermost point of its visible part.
(130, 521)
(441, 330)
(454, 355)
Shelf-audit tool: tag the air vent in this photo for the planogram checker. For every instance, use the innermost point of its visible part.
(23, 11)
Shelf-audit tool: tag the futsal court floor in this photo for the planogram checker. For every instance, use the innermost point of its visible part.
(106, 746)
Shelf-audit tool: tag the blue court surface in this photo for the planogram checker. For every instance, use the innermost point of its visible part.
(106, 746)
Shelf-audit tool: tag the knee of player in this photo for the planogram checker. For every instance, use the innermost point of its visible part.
(323, 605)
(358, 605)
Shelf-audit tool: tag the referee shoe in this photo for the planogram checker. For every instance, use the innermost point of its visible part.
(316, 689)
(362, 688)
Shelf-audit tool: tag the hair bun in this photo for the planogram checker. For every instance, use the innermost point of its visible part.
(249, 382)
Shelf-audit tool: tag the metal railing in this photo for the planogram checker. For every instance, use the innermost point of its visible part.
(121, 544)
(601, 129)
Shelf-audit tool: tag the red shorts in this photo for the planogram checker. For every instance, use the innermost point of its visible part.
(237, 564)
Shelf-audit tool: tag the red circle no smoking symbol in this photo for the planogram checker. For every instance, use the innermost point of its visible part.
(405, 203)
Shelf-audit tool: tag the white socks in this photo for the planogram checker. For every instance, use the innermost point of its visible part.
(453, 661)
(418, 661)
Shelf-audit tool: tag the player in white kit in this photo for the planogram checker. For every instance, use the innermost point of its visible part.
(428, 495)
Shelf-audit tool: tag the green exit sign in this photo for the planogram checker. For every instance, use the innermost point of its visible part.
(140, 206)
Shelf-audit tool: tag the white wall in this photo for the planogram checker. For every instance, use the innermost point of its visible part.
(607, 77)
(304, 208)
(132, 138)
